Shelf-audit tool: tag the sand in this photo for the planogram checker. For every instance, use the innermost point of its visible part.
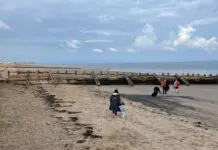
(195, 101)
(77, 117)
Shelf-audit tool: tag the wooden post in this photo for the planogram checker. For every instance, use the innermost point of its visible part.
(128, 79)
(96, 79)
(183, 80)
(37, 75)
(51, 77)
(28, 79)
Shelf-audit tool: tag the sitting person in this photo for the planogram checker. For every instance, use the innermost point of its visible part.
(156, 91)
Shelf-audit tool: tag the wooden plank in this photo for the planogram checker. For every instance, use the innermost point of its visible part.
(128, 79)
(183, 80)
(51, 77)
(97, 82)
(28, 79)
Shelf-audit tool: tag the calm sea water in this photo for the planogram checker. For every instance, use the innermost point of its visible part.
(165, 67)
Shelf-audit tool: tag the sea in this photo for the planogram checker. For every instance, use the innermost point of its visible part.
(206, 67)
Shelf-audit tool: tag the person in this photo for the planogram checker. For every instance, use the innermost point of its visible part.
(167, 87)
(163, 85)
(155, 91)
(176, 86)
(115, 102)
(121, 111)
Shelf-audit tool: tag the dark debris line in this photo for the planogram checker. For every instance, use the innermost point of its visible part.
(55, 103)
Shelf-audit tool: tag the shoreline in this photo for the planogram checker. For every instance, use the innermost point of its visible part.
(112, 69)
(32, 74)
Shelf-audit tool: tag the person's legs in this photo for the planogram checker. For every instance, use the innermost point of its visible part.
(164, 90)
(115, 111)
(177, 90)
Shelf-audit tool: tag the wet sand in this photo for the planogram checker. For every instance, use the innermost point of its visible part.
(195, 101)
(77, 117)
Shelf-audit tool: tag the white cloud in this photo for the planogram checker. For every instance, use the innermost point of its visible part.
(131, 50)
(137, 11)
(168, 14)
(73, 44)
(98, 32)
(4, 26)
(147, 39)
(98, 41)
(185, 38)
(105, 32)
(150, 10)
(112, 49)
(144, 41)
(204, 21)
(168, 48)
(97, 50)
(191, 4)
(148, 29)
(105, 18)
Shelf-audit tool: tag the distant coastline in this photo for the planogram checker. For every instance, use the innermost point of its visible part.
(194, 67)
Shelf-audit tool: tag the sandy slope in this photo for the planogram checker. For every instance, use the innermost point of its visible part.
(25, 122)
(79, 119)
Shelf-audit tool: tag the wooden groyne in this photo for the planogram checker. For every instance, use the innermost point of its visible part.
(30, 75)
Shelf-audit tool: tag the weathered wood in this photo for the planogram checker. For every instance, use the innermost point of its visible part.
(97, 82)
(28, 79)
(104, 77)
(130, 82)
(52, 77)
(183, 80)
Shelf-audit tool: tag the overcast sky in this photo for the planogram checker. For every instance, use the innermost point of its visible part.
(68, 31)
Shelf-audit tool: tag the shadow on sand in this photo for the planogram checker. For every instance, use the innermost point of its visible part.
(167, 103)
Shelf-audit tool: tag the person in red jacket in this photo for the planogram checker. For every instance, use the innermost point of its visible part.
(163, 85)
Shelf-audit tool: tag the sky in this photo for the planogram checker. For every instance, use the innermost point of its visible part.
(86, 31)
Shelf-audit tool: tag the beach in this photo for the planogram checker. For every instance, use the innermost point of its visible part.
(77, 117)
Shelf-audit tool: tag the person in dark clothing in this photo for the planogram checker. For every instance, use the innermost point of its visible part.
(167, 87)
(115, 102)
(156, 91)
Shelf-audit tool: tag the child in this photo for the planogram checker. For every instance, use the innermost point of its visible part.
(121, 111)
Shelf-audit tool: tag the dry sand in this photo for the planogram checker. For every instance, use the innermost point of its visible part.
(77, 117)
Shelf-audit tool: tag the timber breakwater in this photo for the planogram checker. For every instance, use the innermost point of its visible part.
(37, 74)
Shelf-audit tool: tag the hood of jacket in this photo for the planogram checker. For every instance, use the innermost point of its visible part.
(115, 94)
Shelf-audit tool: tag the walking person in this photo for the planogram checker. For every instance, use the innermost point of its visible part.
(163, 85)
(176, 86)
(115, 102)
(167, 87)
